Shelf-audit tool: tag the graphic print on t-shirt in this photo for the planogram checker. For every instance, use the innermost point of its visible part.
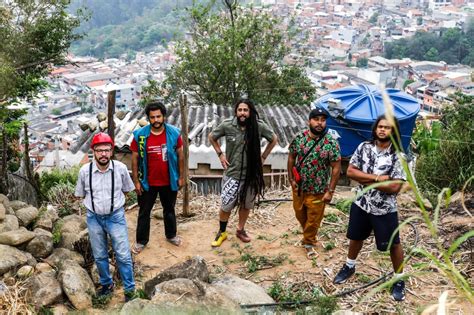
(157, 152)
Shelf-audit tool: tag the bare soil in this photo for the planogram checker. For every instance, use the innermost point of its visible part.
(275, 234)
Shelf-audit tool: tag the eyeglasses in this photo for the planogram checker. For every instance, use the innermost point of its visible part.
(103, 151)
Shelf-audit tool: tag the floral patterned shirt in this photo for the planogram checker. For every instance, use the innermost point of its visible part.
(369, 159)
(315, 169)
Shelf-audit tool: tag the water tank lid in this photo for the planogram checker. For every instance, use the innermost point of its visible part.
(364, 103)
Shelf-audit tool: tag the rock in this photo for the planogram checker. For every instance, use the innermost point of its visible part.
(242, 291)
(92, 126)
(95, 273)
(73, 224)
(83, 126)
(6, 203)
(41, 246)
(60, 309)
(25, 272)
(26, 215)
(142, 122)
(120, 114)
(3, 212)
(68, 240)
(103, 125)
(44, 223)
(60, 255)
(45, 289)
(17, 237)
(180, 286)
(9, 224)
(40, 231)
(194, 268)
(31, 261)
(52, 213)
(101, 116)
(192, 294)
(44, 268)
(140, 306)
(17, 204)
(158, 214)
(11, 258)
(77, 285)
(4, 200)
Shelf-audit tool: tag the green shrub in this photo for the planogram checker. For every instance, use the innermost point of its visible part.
(446, 156)
(58, 176)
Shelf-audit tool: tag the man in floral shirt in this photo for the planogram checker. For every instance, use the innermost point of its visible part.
(314, 155)
(376, 209)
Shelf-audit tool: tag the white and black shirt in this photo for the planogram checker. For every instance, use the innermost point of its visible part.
(369, 159)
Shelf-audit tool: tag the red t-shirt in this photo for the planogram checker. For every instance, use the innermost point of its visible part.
(156, 152)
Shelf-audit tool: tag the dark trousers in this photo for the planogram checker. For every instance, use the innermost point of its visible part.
(146, 202)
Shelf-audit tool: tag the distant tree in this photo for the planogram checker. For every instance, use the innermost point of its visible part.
(235, 52)
(419, 20)
(407, 82)
(325, 67)
(56, 111)
(432, 54)
(34, 35)
(362, 63)
(374, 18)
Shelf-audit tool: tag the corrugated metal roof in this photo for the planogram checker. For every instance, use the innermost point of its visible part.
(285, 121)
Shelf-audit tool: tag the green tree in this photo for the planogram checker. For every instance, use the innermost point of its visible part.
(419, 20)
(432, 54)
(374, 18)
(446, 156)
(234, 52)
(362, 63)
(34, 35)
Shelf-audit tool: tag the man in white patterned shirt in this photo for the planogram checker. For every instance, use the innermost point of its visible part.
(376, 210)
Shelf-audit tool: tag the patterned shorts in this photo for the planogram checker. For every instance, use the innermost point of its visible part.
(230, 193)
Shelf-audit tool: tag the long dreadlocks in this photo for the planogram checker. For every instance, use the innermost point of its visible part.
(254, 172)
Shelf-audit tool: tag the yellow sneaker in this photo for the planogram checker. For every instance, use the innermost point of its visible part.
(220, 237)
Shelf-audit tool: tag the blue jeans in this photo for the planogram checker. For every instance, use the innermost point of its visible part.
(113, 225)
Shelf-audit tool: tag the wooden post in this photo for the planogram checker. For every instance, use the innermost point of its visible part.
(183, 107)
(110, 114)
(3, 174)
(28, 169)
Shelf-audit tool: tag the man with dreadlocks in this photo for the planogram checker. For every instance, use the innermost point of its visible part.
(242, 163)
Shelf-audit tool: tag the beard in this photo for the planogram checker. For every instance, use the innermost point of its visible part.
(157, 125)
(315, 132)
(243, 123)
(383, 140)
(102, 162)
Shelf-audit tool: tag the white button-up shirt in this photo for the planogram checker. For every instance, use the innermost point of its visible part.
(102, 186)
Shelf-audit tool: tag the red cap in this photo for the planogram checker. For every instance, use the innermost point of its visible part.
(101, 138)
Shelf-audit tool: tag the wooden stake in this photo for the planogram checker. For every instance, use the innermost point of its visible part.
(183, 106)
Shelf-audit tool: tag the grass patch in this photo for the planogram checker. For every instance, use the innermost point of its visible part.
(331, 217)
(363, 277)
(254, 263)
(329, 245)
(344, 205)
(57, 232)
(306, 292)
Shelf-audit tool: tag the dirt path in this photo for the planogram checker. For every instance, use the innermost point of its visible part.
(274, 233)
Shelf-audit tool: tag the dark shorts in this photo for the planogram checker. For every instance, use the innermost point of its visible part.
(362, 223)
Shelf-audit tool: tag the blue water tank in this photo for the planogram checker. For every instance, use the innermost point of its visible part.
(354, 109)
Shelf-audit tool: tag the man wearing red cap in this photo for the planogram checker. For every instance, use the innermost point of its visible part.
(103, 184)
(314, 164)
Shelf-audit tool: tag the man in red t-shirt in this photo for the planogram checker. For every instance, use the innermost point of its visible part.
(157, 168)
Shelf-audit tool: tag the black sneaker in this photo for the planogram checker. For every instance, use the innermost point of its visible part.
(398, 290)
(106, 290)
(344, 274)
(130, 295)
